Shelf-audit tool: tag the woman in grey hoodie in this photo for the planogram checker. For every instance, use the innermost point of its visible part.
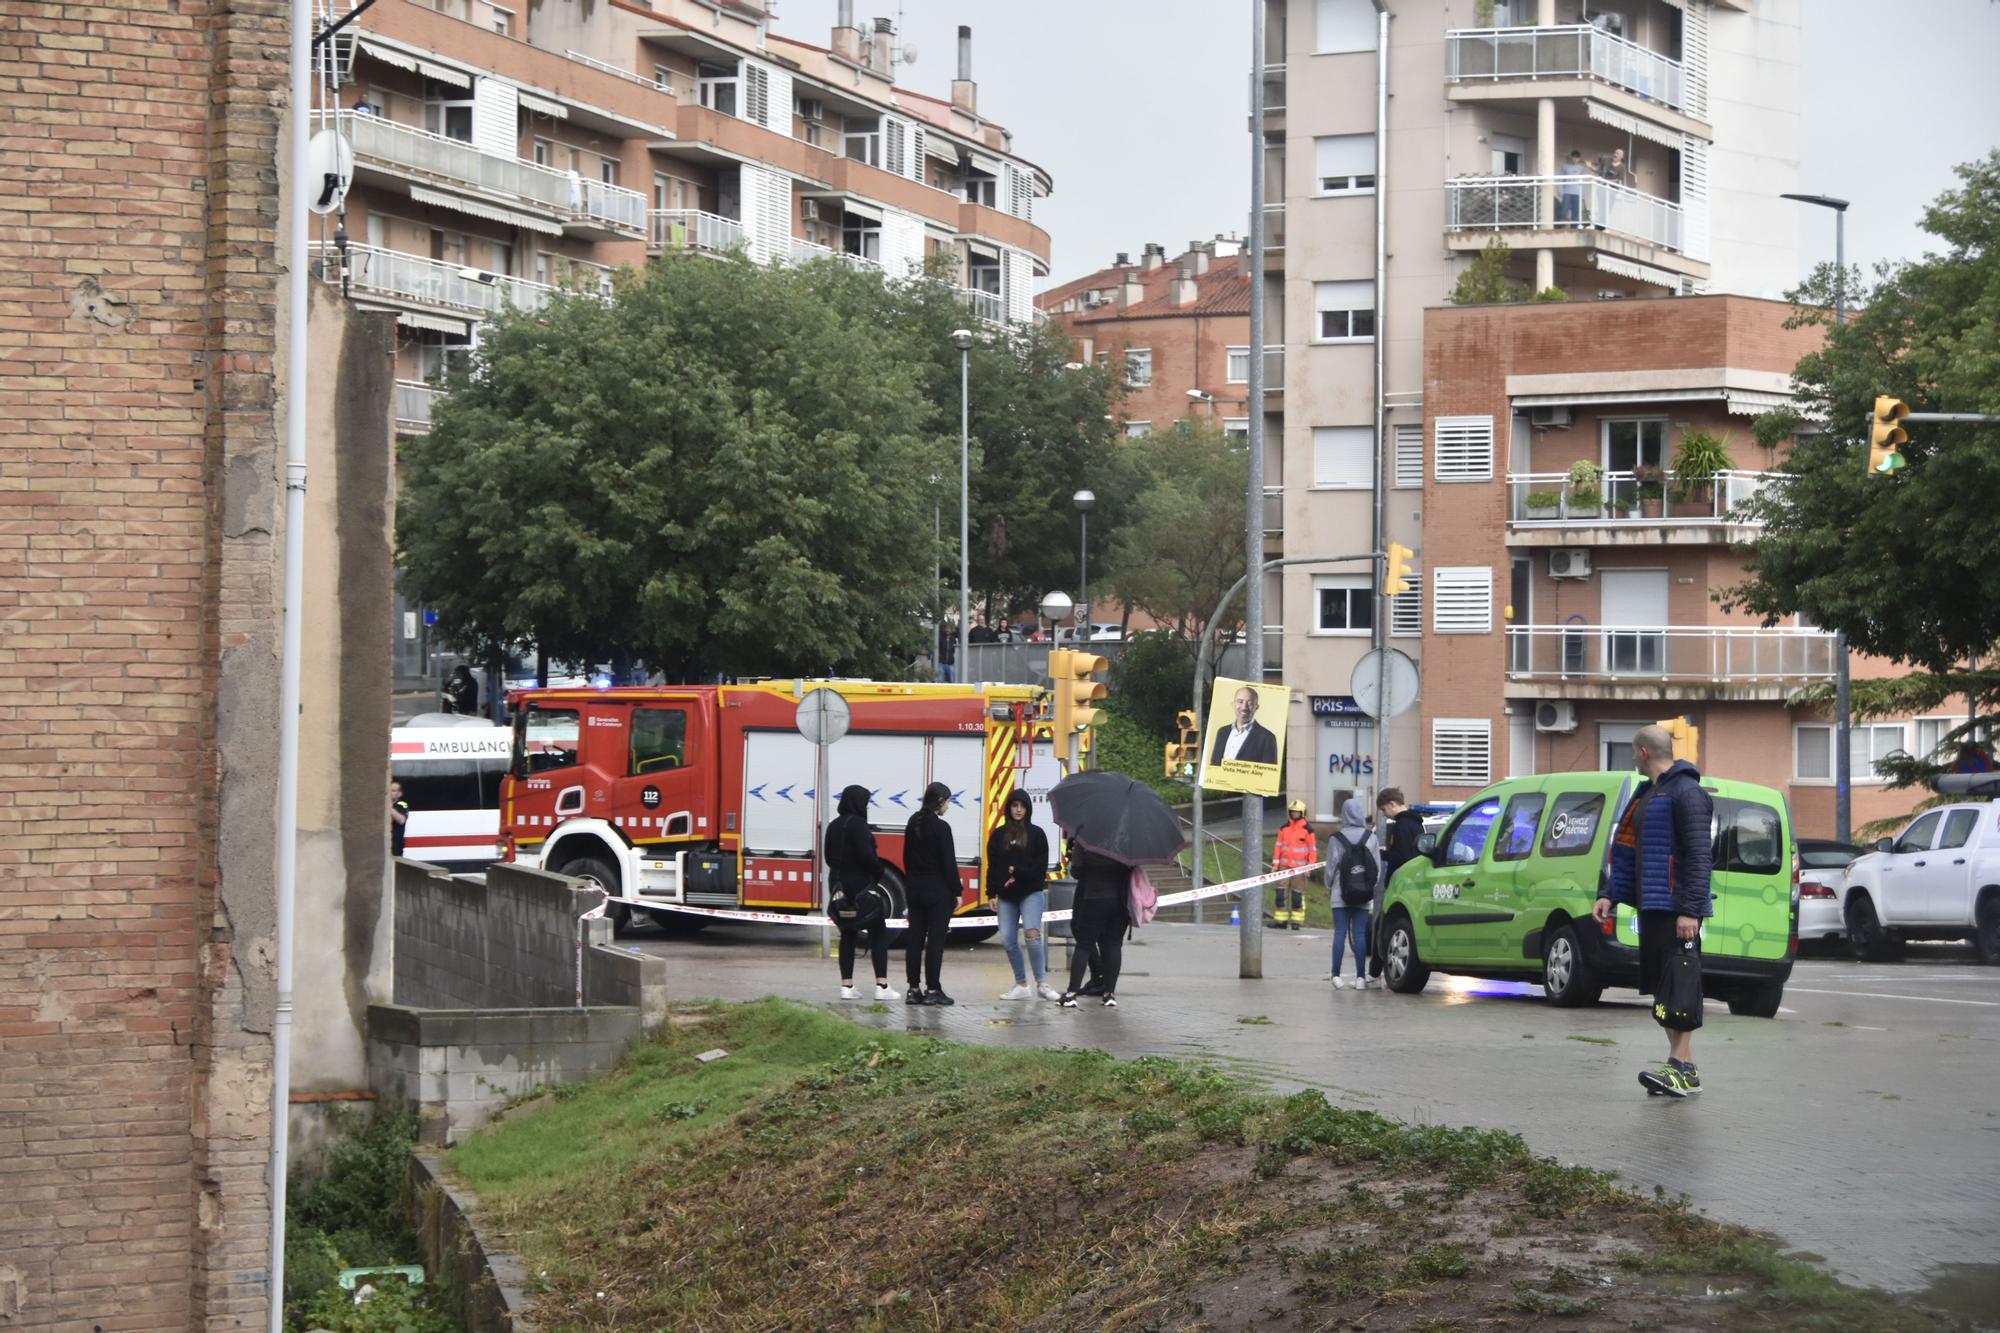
(1353, 874)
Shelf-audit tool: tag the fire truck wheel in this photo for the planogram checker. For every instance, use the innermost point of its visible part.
(899, 899)
(679, 923)
(595, 872)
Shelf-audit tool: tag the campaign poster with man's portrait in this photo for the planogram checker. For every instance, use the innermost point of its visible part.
(1243, 746)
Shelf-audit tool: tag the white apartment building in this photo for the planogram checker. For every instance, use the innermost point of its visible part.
(1485, 101)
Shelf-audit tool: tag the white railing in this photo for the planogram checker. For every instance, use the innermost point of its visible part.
(612, 205)
(804, 252)
(1274, 226)
(1683, 654)
(692, 229)
(985, 305)
(1274, 510)
(1480, 203)
(1274, 369)
(1621, 499)
(449, 161)
(391, 275)
(414, 399)
(1274, 88)
(625, 74)
(1578, 50)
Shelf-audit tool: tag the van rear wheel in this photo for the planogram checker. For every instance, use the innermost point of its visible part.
(1567, 974)
(1401, 968)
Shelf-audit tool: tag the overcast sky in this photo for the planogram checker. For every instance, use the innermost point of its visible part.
(1138, 108)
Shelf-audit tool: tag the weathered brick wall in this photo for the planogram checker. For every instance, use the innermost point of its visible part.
(137, 202)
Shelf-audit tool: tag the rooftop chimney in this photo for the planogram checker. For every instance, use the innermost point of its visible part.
(1184, 290)
(964, 92)
(1200, 252)
(846, 37)
(1124, 258)
(1155, 255)
(1131, 292)
(882, 50)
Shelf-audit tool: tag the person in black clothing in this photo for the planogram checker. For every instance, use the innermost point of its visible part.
(857, 902)
(461, 692)
(1102, 889)
(1401, 827)
(1017, 866)
(399, 818)
(931, 865)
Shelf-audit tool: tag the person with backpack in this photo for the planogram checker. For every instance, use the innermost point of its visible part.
(1103, 911)
(855, 899)
(1401, 827)
(1353, 872)
(932, 865)
(1296, 849)
(1017, 865)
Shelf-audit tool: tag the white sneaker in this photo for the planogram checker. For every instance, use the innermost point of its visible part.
(847, 992)
(887, 993)
(1047, 992)
(1361, 983)
(1338, 983)
(1018, 991)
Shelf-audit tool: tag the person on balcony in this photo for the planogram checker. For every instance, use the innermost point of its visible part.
(1613, 167)
(1569, 194)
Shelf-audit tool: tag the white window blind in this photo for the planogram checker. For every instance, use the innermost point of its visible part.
(1343, 163)
(1462, 600)
(1344, 309)
(1344, 456)
(1138, 366)
(756, 94)
(1409, 456)
(1406, 609)
(1239, 365)
(1345, 25)
(1464, 448)
(496, 117)
(895, 146)
(1461, 751)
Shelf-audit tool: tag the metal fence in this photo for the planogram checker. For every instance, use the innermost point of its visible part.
(1478, 203)
(1028, 663)
(1578, 50)
(1684, 654)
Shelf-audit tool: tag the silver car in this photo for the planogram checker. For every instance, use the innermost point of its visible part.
(1822, 880)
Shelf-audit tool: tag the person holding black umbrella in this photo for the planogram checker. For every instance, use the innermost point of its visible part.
(1101, 916)
(931, 863)
(1114, 823)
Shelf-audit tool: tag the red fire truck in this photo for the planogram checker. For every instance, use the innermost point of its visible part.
(705, 796)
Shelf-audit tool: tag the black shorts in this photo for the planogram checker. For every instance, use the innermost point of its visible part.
(1658, 941)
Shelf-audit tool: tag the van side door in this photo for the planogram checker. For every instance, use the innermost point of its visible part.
(1505, 876)
(1452, 904)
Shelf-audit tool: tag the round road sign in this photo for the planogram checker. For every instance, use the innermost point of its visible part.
(1373, 675)
(824, 716)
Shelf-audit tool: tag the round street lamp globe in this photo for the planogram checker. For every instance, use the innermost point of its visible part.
(962, 339)
(1056, 606)
(1084, 500)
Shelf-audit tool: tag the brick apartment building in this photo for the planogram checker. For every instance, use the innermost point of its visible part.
(1559, 612)
(505, 152)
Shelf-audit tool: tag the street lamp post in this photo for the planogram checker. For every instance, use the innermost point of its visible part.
(962, 340)
(1083, 501)
(1204, 396)
(1843, 722)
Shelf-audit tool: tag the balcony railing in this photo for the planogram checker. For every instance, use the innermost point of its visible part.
(1274, 648)
(390, 275)
(625, 74)
(985, 305)
(1274, 88)
(1274, 226)
(1274, 369)
(1669, 654)
(1274, 510)
(1616, 500)
(612, 206)
(414, 400)
(1479, 55)
(1585, 203)
(692, 229)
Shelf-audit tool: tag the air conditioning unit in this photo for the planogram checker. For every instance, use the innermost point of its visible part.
(1551, 418)
(811, 108)
(1555, 715)
(809, 209)
(1569, 562)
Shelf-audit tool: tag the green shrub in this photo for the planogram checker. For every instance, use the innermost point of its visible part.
(1122, 746)
(1153, 681)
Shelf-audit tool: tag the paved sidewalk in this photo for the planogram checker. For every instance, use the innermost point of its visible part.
(1862, 1125)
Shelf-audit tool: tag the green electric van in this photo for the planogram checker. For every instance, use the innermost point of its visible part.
(1505, 890)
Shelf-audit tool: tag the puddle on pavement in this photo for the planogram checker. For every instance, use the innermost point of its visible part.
(1972, 1290)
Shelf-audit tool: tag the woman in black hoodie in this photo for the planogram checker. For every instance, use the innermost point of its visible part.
(1017, 872)
(856, 901)
(930, 864)
(1103, 887)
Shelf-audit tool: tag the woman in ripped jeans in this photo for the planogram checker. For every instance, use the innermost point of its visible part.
(1017, 866)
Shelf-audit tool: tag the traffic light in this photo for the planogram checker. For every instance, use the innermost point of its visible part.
(1070, 675)
(1886, 438)
(1395, 572)
(1183, 755)
(1686, 736)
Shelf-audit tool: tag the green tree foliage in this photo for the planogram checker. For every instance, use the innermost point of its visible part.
(1183, 546)
(1908, 566)
(1485, 280)
(1153, 680)
(729, 469)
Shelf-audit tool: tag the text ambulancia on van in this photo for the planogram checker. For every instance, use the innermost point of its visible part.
(1506, 891)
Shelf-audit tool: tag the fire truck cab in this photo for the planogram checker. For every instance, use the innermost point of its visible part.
(706, 796)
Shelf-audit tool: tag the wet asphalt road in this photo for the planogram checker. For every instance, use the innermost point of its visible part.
(1862, 1125)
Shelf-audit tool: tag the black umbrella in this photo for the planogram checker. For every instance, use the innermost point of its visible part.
(1117, 816)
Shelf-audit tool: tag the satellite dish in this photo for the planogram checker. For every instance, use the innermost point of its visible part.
(329, 170)
(909, 53)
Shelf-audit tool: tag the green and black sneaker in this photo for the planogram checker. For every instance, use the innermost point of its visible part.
(1691, 1077)
(1666, 1081)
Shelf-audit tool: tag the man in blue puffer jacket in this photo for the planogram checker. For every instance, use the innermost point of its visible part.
(1661, 857)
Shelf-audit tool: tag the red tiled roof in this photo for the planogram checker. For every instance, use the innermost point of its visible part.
(1223, 290)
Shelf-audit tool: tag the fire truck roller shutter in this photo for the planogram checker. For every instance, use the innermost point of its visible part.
(889, 765)
(959, 762)
(778, 771)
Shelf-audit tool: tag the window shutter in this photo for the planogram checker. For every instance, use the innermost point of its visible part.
(893, 147)
(1462, 600)
(1343, 456)
(1343, 155)
(916, 152)
(1409, 456)
(756, 94)
(1461, 751)
(1464, 448)
(1406, 609)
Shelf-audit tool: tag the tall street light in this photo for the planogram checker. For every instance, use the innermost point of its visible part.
(1843, 722)
(1204, 396)
(962, 340)
(1083, 501)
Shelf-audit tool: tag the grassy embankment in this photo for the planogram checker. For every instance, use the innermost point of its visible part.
(827, 1176)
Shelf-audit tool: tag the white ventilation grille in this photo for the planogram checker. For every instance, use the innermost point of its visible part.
(1406, 609)
(496, 117)
(756, 94)
(1464, 448)
(767, 213)
(1694, 58)
(1462, 600)
(1409, 456)
(1461, 751)
(1694, 197)
(895, 146)
(902, 243)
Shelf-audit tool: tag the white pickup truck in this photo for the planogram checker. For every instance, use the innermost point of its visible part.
(1937, 880)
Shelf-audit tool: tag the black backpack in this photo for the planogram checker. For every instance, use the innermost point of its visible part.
(859, 908)
(1355, 873)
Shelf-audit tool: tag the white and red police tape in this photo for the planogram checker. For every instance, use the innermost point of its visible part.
(982, 922)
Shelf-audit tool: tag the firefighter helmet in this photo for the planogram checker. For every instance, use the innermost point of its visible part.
(1297, 809)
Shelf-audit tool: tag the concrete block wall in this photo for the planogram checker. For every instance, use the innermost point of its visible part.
(508, 944)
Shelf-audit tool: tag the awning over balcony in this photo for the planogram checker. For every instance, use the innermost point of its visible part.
(1618, 120)
(411, 319)
(1743, 392)
(1626, 268)
(873, 212)
(530, 102)
(435, 69)
(491, 212)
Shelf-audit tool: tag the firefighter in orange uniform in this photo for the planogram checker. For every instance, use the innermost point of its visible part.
(1297, 848)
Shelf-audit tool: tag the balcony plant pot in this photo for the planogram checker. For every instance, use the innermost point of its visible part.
(1701, 457)
(1586, 495)
(1649, 491)
(1541, 505)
